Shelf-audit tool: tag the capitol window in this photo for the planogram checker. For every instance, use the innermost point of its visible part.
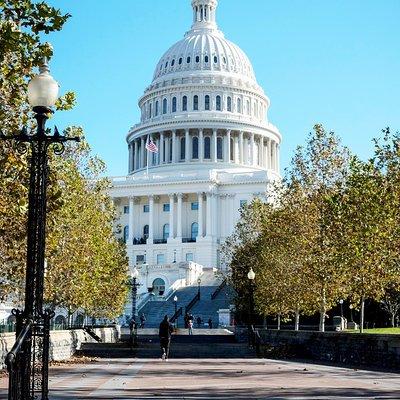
(197, 59)
(218, 103)
(165, 231)
(239, 105)
(173, 63)
(219, 148)
(165, 105)
(207, 147)
(196, 103)
(215, 59)
(188, 60)
(195, 147)
(174, 104)
(156, 113)
(195, 206)
(160, 259)
(229, 104)
(126, 234)
(183, 148)
(194, 231)
(180, 61)
(150, 110)
(206, 59)
(184, 103)
(146, 232)
(166, 207)
(146, 208)
(166, 64)
(126, 209)
(207, 102)
(189, 257)
(248, 107)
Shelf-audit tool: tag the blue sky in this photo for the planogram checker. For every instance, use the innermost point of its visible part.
(334, 62)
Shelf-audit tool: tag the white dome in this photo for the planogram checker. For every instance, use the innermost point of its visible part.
(204, 50)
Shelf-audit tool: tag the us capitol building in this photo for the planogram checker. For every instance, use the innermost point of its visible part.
(208, 117)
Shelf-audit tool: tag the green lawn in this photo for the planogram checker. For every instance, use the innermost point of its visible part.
(382, 331)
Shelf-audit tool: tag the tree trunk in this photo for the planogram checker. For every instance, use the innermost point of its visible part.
(393, 319)
(362, 314)
(297, 320)
(265, 322)
(279, 322)
(322, 312)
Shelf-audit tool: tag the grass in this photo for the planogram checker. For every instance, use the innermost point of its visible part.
(380, 331)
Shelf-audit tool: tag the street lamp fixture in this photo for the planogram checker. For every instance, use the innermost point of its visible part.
(251, 276)
(33, 323)
(198, 283)
(176, 309)
(341, 307)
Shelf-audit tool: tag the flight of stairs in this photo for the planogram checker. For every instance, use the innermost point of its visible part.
(205, 308)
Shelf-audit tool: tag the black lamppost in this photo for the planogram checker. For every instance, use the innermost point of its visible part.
(341, 307)
(176, 309)
(198, 283)
(28, 360)
(251, 276)
(134, 287)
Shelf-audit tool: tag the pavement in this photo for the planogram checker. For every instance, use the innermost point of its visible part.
(194, 379)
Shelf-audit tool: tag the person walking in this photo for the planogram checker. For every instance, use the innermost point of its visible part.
(133, 332)
(164, 333)
(142, 320)
(199, 321)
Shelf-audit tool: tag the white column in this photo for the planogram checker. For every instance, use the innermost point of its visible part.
(214, 146)
(187, 146)
(130, 157)
(228, 146)
(151, 220)
(174, 146)
(235, 150)
(278, 158)
(171, 215)
(200, 214)
(131, 234)
(209, 232)
(241, 145)
(215, 214)
(252, 155)
(268, 154)
(201, 145)
(179, 223)
(162, 160)
(142, 152)
(273, 155)
(135, 166)
(261, 151)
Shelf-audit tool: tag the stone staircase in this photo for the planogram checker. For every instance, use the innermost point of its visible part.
(182, 346)
(205, 308)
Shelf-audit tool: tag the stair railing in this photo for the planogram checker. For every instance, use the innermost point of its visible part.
(92, 333)
(218, 289)
(178, 313)
(192, 302)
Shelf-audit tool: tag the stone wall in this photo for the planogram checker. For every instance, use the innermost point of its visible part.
(338, 347)
(63, 344)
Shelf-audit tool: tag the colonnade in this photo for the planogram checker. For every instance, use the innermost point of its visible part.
(211, 207)
(205, 145)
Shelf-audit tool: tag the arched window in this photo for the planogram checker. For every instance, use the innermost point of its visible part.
(239, 105)
(215, 59)
(164, 106)
(195, 147)
(229, 104)
(156, 108)
(218, 103)
(232, 155)
(60, 321)
(150, 110)
(207, 102)
(183, 148)
(194, 231)
(248, 107)
(126, 233)
(196, 103)
(207, 147)
(146, 232)
(173, 62)
(197, 59)
(165, 232)
(184, 103)
(174, 104)
(180, 61)
(188, 60)
(219, 148)
(206, 59)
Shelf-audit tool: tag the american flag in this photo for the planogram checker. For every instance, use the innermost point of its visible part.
(151, 146)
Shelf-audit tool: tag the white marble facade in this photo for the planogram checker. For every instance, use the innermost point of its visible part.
(217, 150)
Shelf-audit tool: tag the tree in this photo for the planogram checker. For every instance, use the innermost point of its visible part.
(320, 168)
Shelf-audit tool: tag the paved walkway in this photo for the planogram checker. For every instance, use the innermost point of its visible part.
(188, 379)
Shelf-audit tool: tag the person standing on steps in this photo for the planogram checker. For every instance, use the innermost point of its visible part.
(142, 320)
(210, 323)
(164, 334)
(199, 321)
(186, 319)
(190, 326)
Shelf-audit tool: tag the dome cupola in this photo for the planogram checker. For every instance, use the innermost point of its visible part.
(204, 12)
